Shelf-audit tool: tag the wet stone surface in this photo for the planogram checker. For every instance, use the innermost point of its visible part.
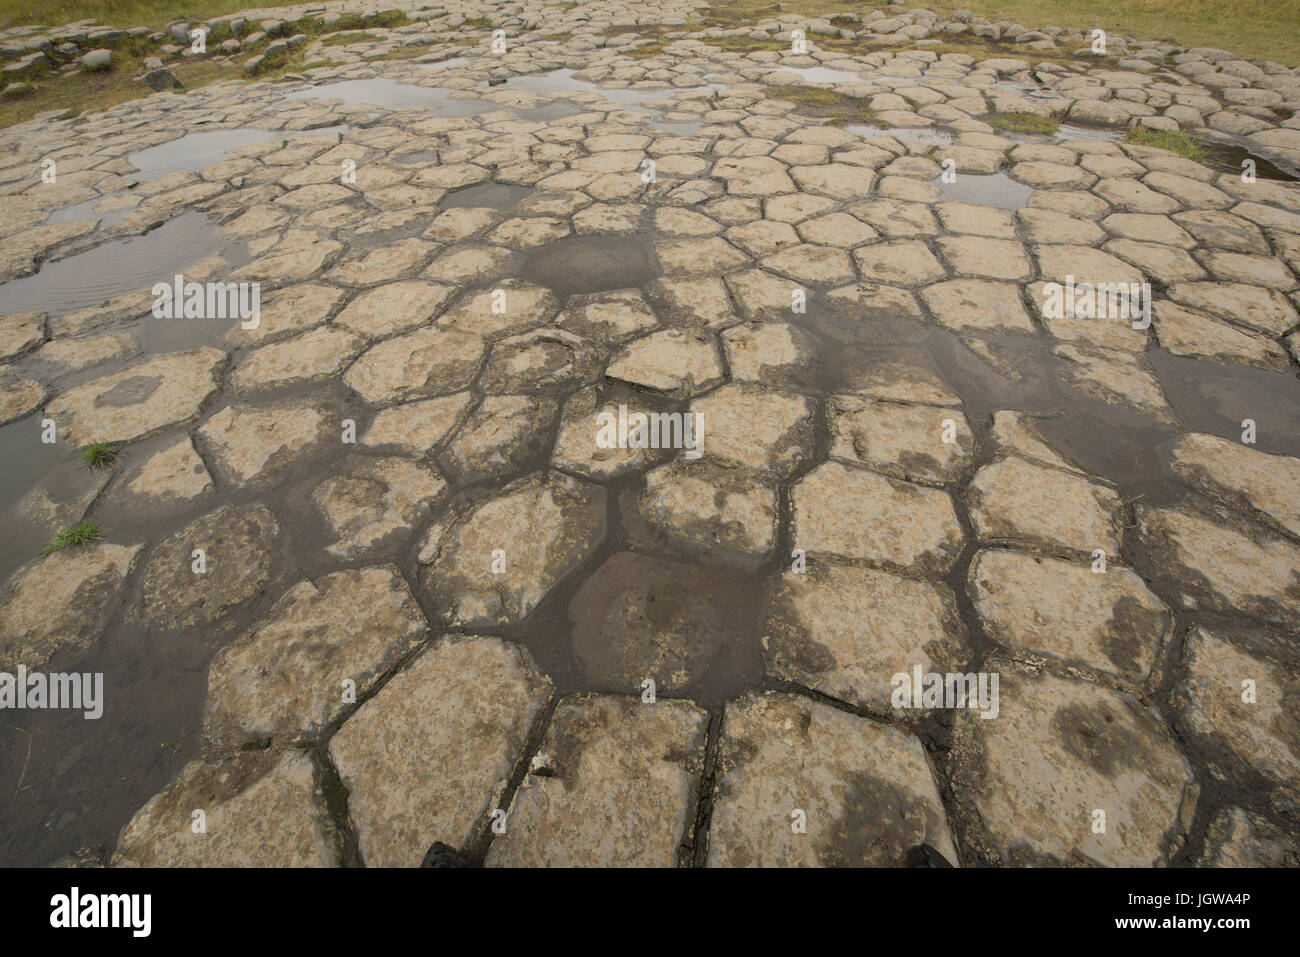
(428, 539)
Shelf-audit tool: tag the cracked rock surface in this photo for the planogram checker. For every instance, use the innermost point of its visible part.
(426, 553)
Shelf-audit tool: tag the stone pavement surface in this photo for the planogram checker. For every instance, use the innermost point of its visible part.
(434, 607)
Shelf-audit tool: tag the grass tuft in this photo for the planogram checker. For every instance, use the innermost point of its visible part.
(1175, 142)
(819, 101)
(98, 455)
(1023, 123)
(82, 533)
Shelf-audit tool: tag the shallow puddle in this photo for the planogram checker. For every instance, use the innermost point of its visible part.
(1229, 158)
(85, 212)
(914, 134)
(1112, 439)
(114, 268)
(392, 95)
(27, 460)
(995, 189)
(443, 64)
(1089, 131)
(1032, 91)
(548, 111)
(499, 196)
(1210, 397)
(693, 626)
(193, 151)
(581, 264)
(676, 129)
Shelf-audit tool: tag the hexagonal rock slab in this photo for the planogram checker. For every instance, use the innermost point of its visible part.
(291, 309)
(255, 443)
(962, 304)
(544, 359)
(1233, 569)
(261, 810)
(705, 512)
(60, 602)
(743, 426)
(1016, 433)
(19, 397)
(577, 448)
(771, 353)
(316, 354)
(866, 789)
(237, 541)
(1261, 734)
(499, 437)
(608, 317)
(1264, 309)
(20, 332)
(905, 441)
(1109, 621)
(1238, 838)
(429, 361)
(393, 307)
(545, 527)
(264, 809)
(614, 785)
(1238, 474)
(174, 475)
(1189, 332)
(521, 306)
(416, 427)
(1057, 752)
(426, 757)
(908, 383)
(1113, 376)
(61, 497)
(370, 499)
(284, 680)
(846, 631)
(673, 361)
(1015, 500)
(902, 263)
(686, 627)
(140, 400)
(852, 513)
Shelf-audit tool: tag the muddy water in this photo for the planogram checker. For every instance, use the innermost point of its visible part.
(1216, 398)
